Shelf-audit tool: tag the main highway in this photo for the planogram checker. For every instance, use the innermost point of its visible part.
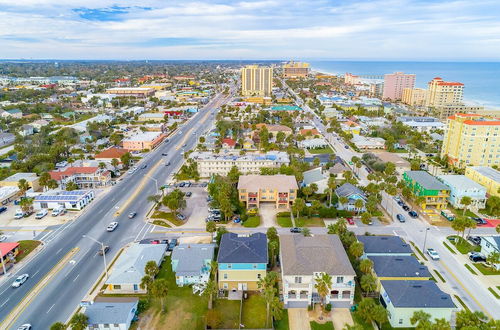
(68, 266)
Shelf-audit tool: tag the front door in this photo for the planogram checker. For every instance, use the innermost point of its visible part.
(242, 287)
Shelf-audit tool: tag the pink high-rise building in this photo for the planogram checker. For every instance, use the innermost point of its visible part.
(395, 83)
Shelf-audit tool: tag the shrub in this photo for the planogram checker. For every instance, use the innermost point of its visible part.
(328, 307)
(328, 212)
(310, 307)
(142, 305)
(283, 214)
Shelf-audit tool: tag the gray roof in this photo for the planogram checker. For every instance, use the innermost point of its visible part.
(488, 172)
(348, 189)
(129, 268)
(460, 181)
(111, 312)
(398, 266)
(426, 180)
(416, 294)
(314, 175)
(302, 255)
(238, 248)
(338, 168)
(384, 244)
(191, 258)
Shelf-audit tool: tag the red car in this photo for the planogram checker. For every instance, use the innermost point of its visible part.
(350, 221)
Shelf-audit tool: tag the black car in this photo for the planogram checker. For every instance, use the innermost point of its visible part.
(144, 166)
(182, 184)
(188, 194)
(476, 240)
(347, 147)
(401, 203)
(3, 209)
(164, 154)
(295, 230)
(406, 208)
(172, 244)
(477, 257)
(413, 214)
(479, 221)
(400, 217)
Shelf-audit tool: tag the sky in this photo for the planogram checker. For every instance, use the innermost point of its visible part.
(263, 29)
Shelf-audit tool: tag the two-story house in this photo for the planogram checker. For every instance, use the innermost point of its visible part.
(435, 193)
(304, 259)
(352, 194)
(242, 261)
(83, 176)
(191, 263)
(281, 190)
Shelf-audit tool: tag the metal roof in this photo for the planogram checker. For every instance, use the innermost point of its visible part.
(416, 294)
(426, 180)
(237, 248)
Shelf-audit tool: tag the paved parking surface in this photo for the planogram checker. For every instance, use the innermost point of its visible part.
(298, 319)
(267, 213)
(196, 209)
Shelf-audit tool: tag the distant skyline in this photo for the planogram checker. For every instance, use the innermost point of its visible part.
(412, 30)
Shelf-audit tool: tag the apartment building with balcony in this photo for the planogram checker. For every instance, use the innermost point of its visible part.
(487, 177)
(304, 259)
(441, 93)
(280, 190)
(296, 70)
(84, 177)
(210, 163)
(435, 193)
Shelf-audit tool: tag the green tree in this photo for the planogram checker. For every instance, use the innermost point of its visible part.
(307, 191)
(421, 319)
(210, 291)
(159, 290)
(174, 200)
(441, 324)
(272, 234)
(211, 227)
(332, 183)
(23, 186)
(79, 321)
(267, 285)
(26, 204)
(70, 186)
(44, 180)
(493, 258)
(102, 165)
(358, 204)
(298, 206)
(366, 218)
(323, 284)
(368, 283)
(213, 318)
(366, 266)
(234, 174)
(306, 232)
(465, 201)
(115, 162)
(273, 247)
(52, 184)
(151, 269)
(339, 227)
(126, 158)
(470, 320)
(58, 326)
(356, 249)
(370, 311)
(459, 225)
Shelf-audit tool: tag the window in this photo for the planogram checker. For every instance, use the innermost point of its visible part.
(340, 279)
(229, 266)
(117, 287)
(298, 279)
(225, 286)
(259, 276)
(225, 276)
(400, 321)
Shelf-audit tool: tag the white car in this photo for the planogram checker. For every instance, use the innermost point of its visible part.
(40, 214)
(25, 326)
(433, 254)
(20, 280)
(3, 238)
(112, 226)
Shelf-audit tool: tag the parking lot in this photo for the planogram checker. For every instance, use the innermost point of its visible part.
(196, 210)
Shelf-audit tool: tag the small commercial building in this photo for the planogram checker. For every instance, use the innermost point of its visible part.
(131, 91)
(487, 177)
(13, 180)
(278, 189)
(8, 194)
(191, 263)
(316, 143)
(156, 116)
(402, 299)
(461, 186)
(8, 253)
(128, 270)
(83, 176)
(70, 200)
(364, 142)
(109, 154)
(143, 141)
(242, 261)
(111, 313)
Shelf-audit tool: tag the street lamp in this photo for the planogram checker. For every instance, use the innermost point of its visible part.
(103, 252)
(425, 238)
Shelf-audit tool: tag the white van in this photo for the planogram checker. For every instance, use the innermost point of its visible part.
(19, 214)
(40, 214)
(58, 211)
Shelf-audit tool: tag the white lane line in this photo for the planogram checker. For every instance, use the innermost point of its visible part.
(59, 251)
(76, 277)
(36, 273)
(140, 231)
(5, 302)
(50, 308)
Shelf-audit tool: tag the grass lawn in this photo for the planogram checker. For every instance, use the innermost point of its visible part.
(161, 223)
(253, 315)
(252, 222)
(283, 323)
(470, 269)
(461, 302)
(449, 248)
(440, 276)
(468, 213)
(326, 150)
(419, 251)
(318, 326)
(463, 246)
(494, 293)
(486, 270)
(284, 221)
(167, 216)
(309, 222)
(184, 310)
(230, 310)
(25, 248)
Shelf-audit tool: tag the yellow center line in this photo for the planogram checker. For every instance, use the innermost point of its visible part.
(33, 293)
(465, 289)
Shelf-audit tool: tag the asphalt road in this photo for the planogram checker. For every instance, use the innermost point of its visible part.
(61, 296)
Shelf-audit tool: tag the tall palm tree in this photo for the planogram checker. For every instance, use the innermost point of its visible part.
(331, 185)
(23, 186)
(267, 285)
(79, 321)
(211, 289)
(323, 284)
(465, 201)
(151, 269)
(368, 283)
(356, 249)
(159, 290)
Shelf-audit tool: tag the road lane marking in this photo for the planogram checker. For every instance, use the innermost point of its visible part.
(59, 251)
(50, 308)
(14, 314)
(5, 302)
(38, 271)
(465, 289)
(76, 277)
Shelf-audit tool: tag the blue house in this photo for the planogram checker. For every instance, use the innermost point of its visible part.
(461, 186)
(353, 194)
(191, 263)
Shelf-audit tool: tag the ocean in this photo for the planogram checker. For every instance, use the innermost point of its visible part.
(481, 79)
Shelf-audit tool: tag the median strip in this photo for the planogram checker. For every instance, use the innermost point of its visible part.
(33, 293)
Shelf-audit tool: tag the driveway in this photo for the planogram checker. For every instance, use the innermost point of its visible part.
(267, 213)
(298, 319)
(341, 317)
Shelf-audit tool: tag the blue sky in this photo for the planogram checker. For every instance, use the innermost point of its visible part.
(262, 29)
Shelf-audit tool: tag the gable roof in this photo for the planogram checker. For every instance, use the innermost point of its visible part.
(416, 294)
(57, 175)
(111, 153)
(314, 175)
(191, 258)
(302, 255)
(229, 142)
(398, 266)
(384, 244)
(111, 312)
(426, 180)
(129, 268)
(348, 189)
(236, 248)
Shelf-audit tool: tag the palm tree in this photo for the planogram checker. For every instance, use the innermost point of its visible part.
(211, 289)
(366, 266)
(331, 185)
(343, 201)
(151, 269)
(267, 284)
(44, 180)
(211, 227)
(273, 250)
(146, 282)
(26, 204)
(465, 201)
(358, 204)
(159, 290)
(23, 186)
(421, 319)
(58, 326)
(115, 162)
(323, 284)
(101, 165)
(356, 249)
(79, 321)
(368, 283)
(306, 232)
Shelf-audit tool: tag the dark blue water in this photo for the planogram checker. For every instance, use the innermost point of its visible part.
(481, 79)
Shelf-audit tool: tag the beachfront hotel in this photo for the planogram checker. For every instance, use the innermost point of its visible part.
(441, 93)
(256, 80)
(395, 83)
(414, 96)
(296, 70)
(472, 140)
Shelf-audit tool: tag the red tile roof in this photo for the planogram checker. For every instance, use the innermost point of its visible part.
(57, 175)
(229, 142)
(8, 247)
(447, 83)
(482, 122)
(305, 131)
(111, 153)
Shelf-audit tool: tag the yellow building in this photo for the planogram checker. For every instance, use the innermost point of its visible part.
(440, 93)
(487, 177)
(12, 181)
(280, 190)
(445, 111)
(259, 100)
(256, 80)
(414, 96)
(296, 70)
(472, 140)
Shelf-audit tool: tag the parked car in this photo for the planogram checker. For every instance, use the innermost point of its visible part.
(40, 214)
(112, 226)
(132, 215)
(400, 202)
(295, 230)
(187, 184)
(167, 164)
(180, 217)
(19, 214)
(476, 240)
(188, 194)
(350, 221)
(3, 238)
(58, 211)
(204, 184)
(164, 154)
(400, 217)
(25, 326)
(182, 184)
(100, 252)
(433, 254)
(413, 214)
(3, 209)
(172, 244)
(406, 208)
(347, 147)
(20, 280)
(144, 166)
(479, 221)
(477, 257)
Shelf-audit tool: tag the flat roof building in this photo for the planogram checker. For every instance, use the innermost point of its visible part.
(131, 91)
(487, 177)
(143, 141)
